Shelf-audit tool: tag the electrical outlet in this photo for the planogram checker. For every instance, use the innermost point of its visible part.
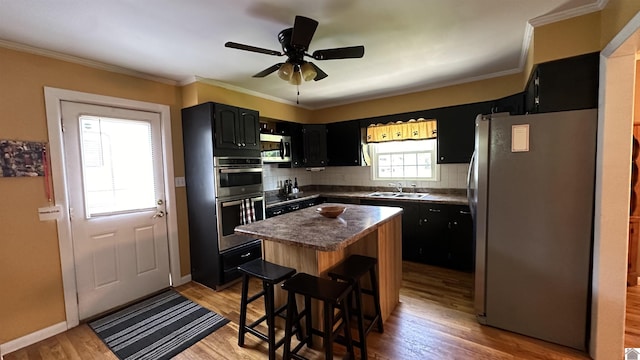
(180, 181)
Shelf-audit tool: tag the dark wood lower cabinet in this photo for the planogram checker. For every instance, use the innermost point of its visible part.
(447, 236)
(462, 239)
(435, 234)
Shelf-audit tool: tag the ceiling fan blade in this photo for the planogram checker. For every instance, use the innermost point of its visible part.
(303, 30)
(320, 74)
(268, 70)
(231, 44)
(350, 52)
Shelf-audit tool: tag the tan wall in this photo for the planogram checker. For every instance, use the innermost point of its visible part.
(484, 90)
(30, 274)
(190, 94)
(268, 108)
(575, 36)
(615, 16)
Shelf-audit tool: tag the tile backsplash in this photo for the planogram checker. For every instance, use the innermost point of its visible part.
(452, 176)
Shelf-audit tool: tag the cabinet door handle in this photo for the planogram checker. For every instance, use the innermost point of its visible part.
(465, 212)
(245, 255)
(434, 210)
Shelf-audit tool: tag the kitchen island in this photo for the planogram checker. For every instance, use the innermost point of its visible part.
(311, 243)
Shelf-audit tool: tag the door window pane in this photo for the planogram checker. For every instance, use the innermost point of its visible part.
(117, 165)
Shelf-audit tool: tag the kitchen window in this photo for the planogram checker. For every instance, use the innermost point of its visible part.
(405, 160)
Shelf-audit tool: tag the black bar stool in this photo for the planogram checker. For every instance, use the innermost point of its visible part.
(333, 294)
(352, 270)
(270, 274)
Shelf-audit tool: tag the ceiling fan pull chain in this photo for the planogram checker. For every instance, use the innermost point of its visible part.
(298, 95)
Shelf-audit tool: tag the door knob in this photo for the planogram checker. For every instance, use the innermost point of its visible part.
(159, 214)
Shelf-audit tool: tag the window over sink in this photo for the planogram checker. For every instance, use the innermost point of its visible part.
(404, 160)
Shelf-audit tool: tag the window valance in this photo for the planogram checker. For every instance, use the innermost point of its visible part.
(413, 129)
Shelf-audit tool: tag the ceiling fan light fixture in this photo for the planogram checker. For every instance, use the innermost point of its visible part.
(308, 72)
(296, 78)
(286, 71)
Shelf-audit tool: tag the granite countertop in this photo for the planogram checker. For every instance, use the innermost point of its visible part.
(453, 198)
(307, 228)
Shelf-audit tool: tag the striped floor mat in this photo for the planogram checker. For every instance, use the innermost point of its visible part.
(156, 328)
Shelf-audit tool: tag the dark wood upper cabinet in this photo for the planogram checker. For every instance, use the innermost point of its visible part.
(308, 143)
(344, 143)
(235, 131)
(227, 133)
(513, 104)
(456, 131)
(563, 85)
(236, 128)
(249, 125)
(314, 143)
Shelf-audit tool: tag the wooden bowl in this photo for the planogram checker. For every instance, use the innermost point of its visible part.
(331, 211)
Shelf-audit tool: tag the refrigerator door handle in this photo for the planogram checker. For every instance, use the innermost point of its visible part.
(469, 180)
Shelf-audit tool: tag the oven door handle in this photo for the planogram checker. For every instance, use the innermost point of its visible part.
(238, 202)
(231, 203)
(235, 171)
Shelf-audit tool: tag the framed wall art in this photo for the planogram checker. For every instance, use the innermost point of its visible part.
(22, 158)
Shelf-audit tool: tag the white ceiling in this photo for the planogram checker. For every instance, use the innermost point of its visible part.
(410, 45)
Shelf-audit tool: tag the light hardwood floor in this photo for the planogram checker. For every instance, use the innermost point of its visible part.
(632, 321)
(434, 320)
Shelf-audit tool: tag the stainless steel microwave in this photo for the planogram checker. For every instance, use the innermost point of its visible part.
(275, 148)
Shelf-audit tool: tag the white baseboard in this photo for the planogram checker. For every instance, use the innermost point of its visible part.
(32, 338)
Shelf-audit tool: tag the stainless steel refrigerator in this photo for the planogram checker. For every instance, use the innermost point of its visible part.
(531, 191)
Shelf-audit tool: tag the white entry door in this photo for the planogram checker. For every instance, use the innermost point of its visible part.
(115, 184)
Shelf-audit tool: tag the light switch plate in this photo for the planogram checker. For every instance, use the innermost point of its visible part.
(180, 181)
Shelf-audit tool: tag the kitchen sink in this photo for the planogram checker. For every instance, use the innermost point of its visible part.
(383, 194)
(410, 195)
(397, 195)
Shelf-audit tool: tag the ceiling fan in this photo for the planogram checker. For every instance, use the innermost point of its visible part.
(295, 43)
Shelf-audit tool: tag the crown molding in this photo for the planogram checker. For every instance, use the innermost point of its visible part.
(526, 45)
(85, 62)
(567, 14)
(249, 92)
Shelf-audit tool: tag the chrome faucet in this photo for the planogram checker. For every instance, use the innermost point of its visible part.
(398, 186)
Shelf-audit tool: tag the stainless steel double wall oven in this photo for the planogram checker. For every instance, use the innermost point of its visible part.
(238, 183)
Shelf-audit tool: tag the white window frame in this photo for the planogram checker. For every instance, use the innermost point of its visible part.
(405, 147)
